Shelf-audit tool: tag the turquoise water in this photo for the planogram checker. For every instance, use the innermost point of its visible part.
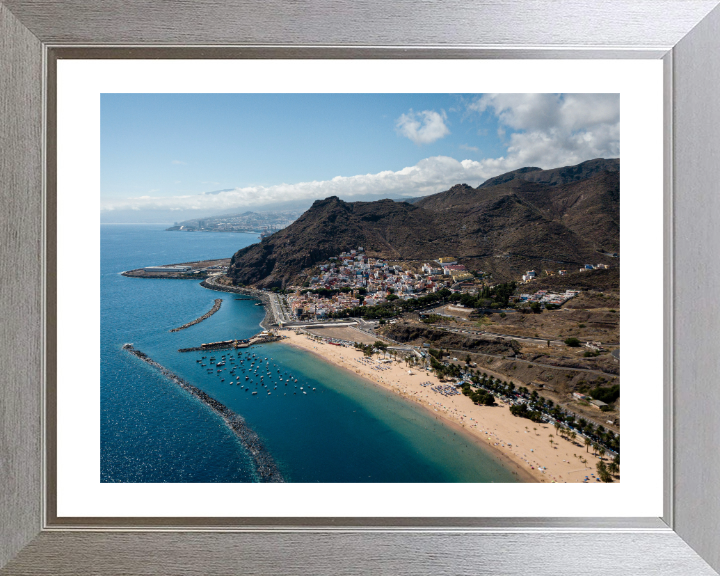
(347, 430)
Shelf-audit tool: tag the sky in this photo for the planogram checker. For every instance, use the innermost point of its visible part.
(162, 153)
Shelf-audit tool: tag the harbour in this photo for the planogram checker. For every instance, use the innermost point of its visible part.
(152, 431)
(265, 466)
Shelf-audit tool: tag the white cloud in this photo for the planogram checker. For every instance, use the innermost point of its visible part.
(549, 130)
(543, 130)
(428, 176)
(469, 148)
(178, 162)
(423, 127)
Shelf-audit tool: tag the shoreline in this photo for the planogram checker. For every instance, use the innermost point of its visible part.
(263, 297)
(514, 441)
(523, 474)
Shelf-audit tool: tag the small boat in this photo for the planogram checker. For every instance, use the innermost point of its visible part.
(304, 392)
(254, 393)
(269, 393)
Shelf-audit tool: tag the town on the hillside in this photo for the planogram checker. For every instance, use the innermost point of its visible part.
(352, 279)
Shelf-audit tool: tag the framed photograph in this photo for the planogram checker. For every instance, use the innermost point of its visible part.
(359, 297)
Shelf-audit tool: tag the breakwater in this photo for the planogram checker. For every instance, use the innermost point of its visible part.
(262, 338)
(264, 297)
(267, 470)
(215, 308)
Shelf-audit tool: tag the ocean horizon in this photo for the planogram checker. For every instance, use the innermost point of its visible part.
(342, 428)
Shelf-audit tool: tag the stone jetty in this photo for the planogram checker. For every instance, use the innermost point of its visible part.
(215, 308)
(264, 297)
(267, 470)
(262, 338)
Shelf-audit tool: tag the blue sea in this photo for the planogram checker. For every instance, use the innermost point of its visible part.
(347, 430)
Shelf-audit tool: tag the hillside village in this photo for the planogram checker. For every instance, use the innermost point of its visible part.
(352, 279)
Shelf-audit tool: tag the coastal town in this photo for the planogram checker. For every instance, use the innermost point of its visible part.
(263, 223)
(458, 363)
(463, 340)
(352, 279)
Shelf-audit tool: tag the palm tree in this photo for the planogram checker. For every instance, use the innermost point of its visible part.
(595, 448)
(613, 468)
(601, 451)
(573, 435)
(587, 444)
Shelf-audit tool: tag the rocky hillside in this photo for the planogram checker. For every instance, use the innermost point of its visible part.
(418, 335)
(563, 218)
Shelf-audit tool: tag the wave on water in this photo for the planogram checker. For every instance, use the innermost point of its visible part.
(267, 470)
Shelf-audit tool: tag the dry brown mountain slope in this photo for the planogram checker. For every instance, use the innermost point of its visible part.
(504, 229)
(385, 229)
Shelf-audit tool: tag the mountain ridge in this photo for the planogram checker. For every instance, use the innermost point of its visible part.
(563, 217)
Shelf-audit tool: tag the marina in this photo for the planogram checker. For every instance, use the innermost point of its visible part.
(328, 426)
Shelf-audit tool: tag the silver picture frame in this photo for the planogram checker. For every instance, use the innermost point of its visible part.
(685, 34)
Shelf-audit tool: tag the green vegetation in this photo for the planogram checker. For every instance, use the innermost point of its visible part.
(442, 371)
(572, 342)
(496, 297)
(394, 306)
(607, 395)
(603, 472)
(432, 318)
(438, 354)
(479, 396)
(523, 411)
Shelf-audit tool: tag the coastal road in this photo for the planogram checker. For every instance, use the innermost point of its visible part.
(277, 308)
(522, 339)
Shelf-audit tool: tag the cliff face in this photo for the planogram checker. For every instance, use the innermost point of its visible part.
(561, 219)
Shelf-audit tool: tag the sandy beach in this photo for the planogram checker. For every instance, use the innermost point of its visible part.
(524, 445)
